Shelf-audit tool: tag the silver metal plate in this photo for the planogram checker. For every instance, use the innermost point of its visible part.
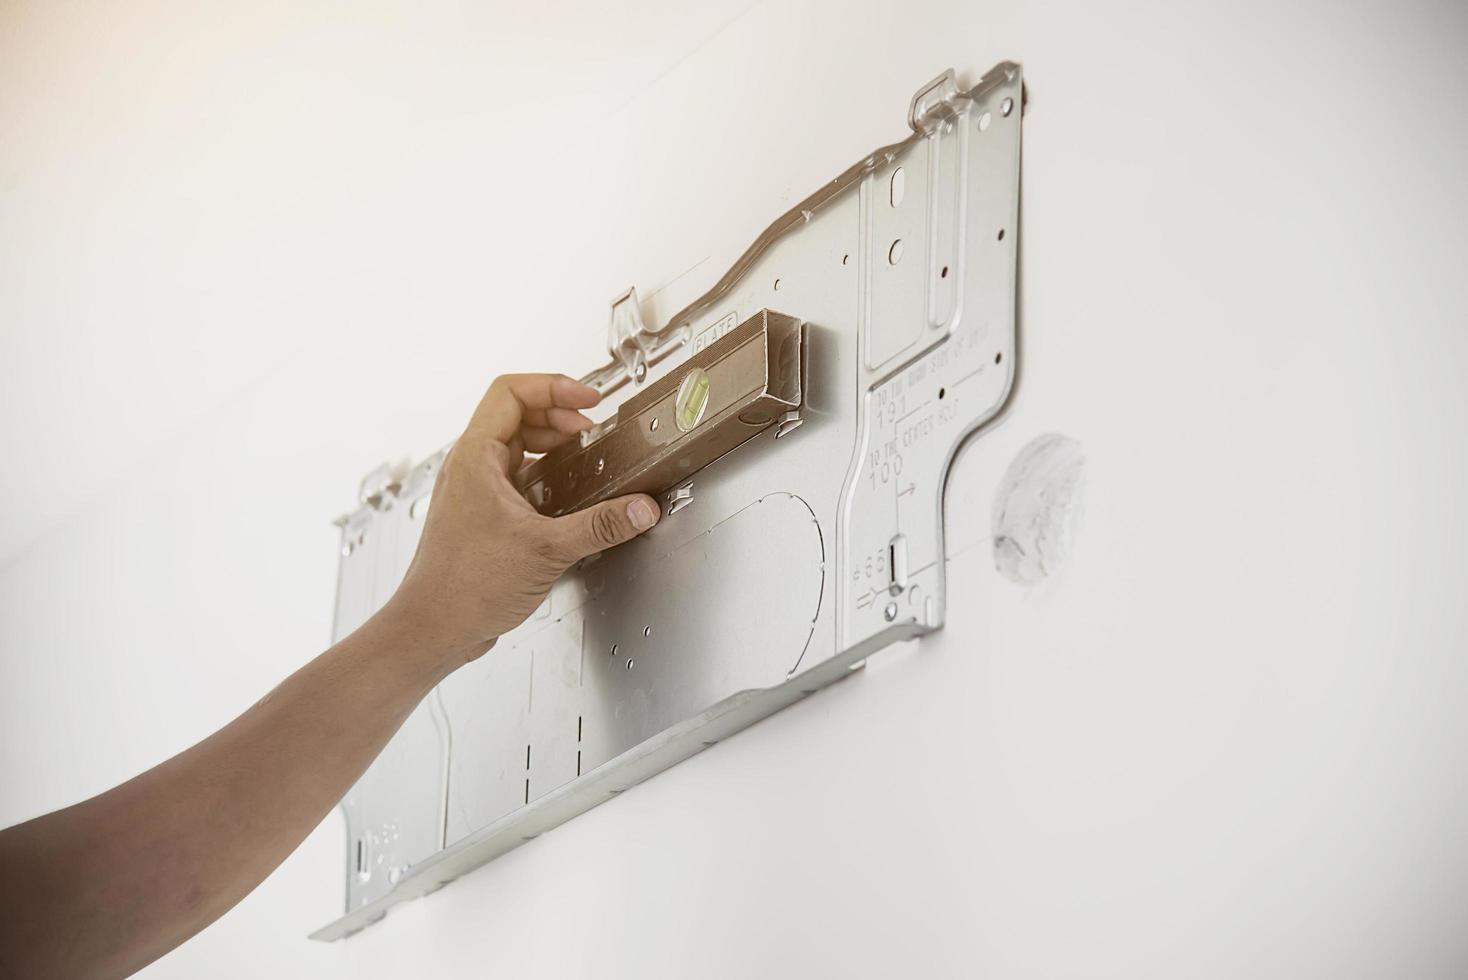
(777, 568)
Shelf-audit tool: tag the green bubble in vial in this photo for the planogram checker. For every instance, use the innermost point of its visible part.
(693, 398)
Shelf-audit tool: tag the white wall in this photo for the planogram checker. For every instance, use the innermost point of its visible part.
(246, 255)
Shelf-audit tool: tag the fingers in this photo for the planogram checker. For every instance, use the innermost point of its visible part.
(542, 440)
(604, 525)
(539, 400)
(508, 456)
(567, 420)
(570, 393)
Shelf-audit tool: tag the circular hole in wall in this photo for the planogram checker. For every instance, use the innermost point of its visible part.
(894, 253)
(897, 187)
(1036, 510)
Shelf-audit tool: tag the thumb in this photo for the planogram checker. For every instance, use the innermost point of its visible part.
(605, 525)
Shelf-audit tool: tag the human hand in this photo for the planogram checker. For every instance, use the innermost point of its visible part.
(487, 558)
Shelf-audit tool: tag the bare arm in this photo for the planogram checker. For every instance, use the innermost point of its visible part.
(107, 886)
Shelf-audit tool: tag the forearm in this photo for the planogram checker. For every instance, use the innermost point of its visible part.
(108, 885)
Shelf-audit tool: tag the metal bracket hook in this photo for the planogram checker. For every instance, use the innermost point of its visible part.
(933, 103)
(627, 337)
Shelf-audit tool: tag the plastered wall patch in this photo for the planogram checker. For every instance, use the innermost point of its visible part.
(1037, 509)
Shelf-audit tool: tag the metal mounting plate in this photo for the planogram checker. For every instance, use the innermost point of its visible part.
(781, 564)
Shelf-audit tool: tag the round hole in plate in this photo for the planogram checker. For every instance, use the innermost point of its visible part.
(897, 187)
(652, 426)
(1006, 107)
(777, 285)
(630, 662)
(845, 258)
(1000, 236)
(944, 273)
(984, 121)
(615, 648)
(941, 393)
(998, 357)
(647, 631)
(894, 253)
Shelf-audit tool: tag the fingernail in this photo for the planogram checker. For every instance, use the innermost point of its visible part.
(642, 514)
